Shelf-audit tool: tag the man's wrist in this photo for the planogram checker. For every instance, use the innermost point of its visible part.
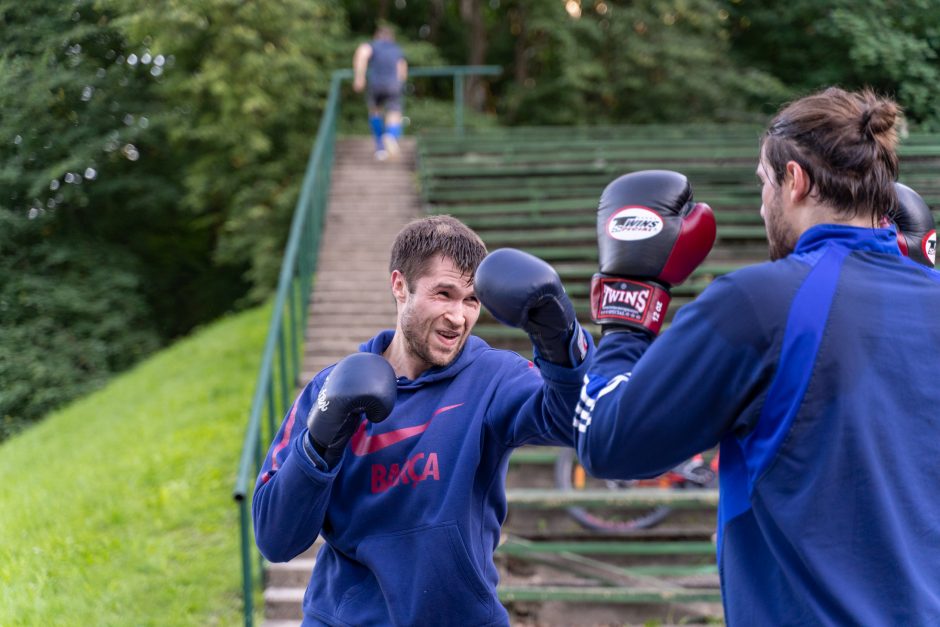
(313, 454)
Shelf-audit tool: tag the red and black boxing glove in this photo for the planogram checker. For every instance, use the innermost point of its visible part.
(917, 231)
(651, 235)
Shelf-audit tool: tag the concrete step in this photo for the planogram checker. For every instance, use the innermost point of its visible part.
(338, 345)
(364, 292)
(364, 321)
(347, 308)
(372, 287)
(293, 574)
(283, 603)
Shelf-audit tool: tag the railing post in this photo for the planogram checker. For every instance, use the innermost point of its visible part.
(282, 359)
(292, 321)
(458, 103)
(271, 409)
(247, 592)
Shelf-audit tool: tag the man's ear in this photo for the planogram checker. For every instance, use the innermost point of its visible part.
(399, 286)
(798, 179)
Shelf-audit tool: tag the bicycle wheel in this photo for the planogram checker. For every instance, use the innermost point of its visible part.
(570, 475)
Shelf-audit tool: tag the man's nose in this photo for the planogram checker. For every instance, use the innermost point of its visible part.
(455, 314)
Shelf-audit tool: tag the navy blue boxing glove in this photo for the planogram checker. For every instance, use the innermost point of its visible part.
(917, 232)
(522, 291)
(362, 385)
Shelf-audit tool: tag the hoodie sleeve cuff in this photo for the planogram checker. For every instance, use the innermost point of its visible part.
(582, 351)
(310, 462)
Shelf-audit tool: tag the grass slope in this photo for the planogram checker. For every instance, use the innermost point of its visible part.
(117, 510)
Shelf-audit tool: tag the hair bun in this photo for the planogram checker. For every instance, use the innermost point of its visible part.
(878, 117)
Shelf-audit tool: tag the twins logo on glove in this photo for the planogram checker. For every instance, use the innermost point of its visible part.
(917, 232)
(617, 299)
(634, 223)
(929, 246)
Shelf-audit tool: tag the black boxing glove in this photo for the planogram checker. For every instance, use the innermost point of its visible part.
(522, 291)
(917, 231)
(651, 235)
(360, 385)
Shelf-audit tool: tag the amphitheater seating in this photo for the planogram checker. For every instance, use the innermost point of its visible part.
(537, 189)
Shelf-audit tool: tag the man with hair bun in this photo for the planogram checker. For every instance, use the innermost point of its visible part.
(818, 373)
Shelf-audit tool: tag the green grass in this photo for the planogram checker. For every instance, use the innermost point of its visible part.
(117, 510)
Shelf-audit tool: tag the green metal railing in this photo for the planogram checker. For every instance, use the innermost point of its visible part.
(460, 74)
(280, 361)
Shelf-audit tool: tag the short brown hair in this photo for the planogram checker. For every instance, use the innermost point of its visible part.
(846, 142)
(421, 240)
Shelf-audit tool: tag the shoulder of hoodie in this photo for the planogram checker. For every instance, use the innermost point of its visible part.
(494, 359)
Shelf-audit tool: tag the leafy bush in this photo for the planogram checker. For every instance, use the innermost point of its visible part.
(72, 313)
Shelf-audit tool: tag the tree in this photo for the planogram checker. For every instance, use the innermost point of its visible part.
(72, 313)
(248, 89)
(647, 61)
(75, 115)
(150, 157)
(889, 45)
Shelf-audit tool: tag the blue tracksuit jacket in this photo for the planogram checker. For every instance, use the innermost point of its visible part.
(819, 375)
(411, 514)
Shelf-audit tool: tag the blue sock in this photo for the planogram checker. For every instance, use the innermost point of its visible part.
(378, 127)
(395, 130)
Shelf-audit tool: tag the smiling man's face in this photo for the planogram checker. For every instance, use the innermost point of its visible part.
(438, 313)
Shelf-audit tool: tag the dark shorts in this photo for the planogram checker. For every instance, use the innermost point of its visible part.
(388, 98)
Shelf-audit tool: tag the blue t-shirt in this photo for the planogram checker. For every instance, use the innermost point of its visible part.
(382, 73)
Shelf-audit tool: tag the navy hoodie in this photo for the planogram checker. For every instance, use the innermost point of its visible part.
(411, 515)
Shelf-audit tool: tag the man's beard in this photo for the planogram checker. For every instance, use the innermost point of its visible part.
(781, 236)
(416, 335)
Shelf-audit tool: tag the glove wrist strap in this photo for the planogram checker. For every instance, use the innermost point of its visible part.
(567, 349)
(626, 302)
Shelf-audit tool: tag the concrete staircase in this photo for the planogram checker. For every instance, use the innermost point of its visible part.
(369, 203)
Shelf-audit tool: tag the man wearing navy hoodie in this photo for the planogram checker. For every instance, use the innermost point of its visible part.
(410, 505)
(398, 454)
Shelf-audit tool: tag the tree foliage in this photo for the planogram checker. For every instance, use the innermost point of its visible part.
(167, 138)
(151, 151)
(71, 314)
(248, 88)
(637, 62)
(891, 46)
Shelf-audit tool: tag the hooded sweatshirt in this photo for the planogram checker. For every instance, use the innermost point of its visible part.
(412, 512)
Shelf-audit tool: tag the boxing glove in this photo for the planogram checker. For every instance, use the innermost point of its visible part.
(523, 291)
(360, 385)
(651, 235)
(917, 231)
